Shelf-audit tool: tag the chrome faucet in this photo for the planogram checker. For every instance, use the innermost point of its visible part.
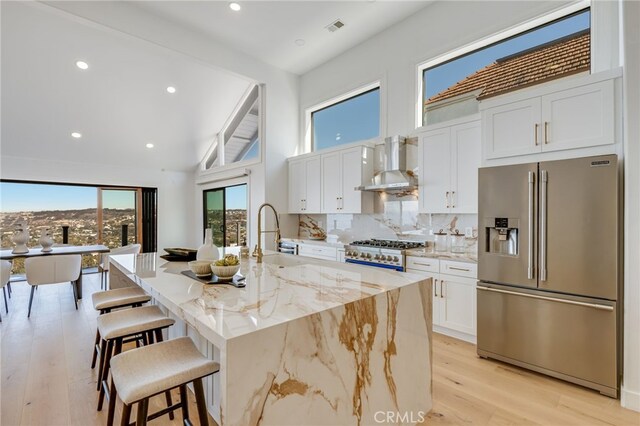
(258, 251)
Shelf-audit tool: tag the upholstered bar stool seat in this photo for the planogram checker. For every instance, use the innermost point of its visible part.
(106, 301)
(141, 373)
(144, 323)
(119, 298)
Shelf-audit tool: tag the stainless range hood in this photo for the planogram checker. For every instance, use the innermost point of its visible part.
(394, 177)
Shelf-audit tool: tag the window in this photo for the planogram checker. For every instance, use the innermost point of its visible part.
(225, 212)
(240, 138)
(91, 214)
(556, 49)
(353, 119)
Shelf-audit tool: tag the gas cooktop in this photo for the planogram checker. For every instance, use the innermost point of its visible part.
(389, 244)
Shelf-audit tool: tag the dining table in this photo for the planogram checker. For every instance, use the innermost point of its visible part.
(7, 254)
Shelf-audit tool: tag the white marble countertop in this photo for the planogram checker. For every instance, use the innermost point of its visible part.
(430, 253)
(281, 289)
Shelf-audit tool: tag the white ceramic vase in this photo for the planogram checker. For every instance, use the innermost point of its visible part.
(208, 250)
(46, 241)
(20, 239)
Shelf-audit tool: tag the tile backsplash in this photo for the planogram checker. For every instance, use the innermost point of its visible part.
(394, 217)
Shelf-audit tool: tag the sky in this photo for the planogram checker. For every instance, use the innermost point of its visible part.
(16, 197)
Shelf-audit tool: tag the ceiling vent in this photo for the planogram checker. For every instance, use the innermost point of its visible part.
(335, 26)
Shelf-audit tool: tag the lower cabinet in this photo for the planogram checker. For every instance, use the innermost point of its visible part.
(454, 297)
(317, 251)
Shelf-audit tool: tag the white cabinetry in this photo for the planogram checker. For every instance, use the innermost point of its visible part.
(573, 114)
(304, 185)
(325, 182)
(449, 161)
(318, 251)
(454, 295)
(342, 171)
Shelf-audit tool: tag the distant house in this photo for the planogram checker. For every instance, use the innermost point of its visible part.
(559, 58)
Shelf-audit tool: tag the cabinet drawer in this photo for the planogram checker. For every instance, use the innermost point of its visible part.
(424, 264)
(469, 270)
(319, 252)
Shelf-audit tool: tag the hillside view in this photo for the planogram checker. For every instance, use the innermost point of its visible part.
(83, 228)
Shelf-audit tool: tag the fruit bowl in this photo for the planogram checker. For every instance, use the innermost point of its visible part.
(224, 273)
(201, 268)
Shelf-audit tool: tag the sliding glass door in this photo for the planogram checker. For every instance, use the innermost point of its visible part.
(118, 216)
(225, 212)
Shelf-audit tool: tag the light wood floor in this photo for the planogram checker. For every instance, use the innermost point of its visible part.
(46, 379)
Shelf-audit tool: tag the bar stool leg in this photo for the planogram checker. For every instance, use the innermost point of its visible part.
(113, 349)
(113, 397)
(184, 402)
(126, 415)
(143, 408)
(167, 394)
(201, 402)
(103, 354)
(95, 349)
(6, 306)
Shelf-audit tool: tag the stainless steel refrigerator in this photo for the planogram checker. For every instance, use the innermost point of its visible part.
(549, 269)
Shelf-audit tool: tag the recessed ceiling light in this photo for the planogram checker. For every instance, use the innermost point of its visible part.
(235, 6)
(76, 135)
(300, 42)
(82, 65)
(171, 89)
(149, 145)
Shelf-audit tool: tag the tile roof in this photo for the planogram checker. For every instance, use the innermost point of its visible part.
(560, 58)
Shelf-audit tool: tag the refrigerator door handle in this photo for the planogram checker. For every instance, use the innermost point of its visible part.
(550, 299)
(543, 225)
(531, 181)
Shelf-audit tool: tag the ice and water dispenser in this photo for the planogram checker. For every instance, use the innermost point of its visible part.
(502, 236)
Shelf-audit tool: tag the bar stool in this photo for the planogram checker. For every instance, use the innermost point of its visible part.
(142, 373)
(139, 323)
(106, 301)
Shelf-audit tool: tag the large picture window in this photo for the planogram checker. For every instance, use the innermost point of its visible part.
(557, 49)
(91, 215)
(353, 119)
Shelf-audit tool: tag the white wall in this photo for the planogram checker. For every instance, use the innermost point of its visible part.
(281, 92)
(175, 189)
(631, 53)
(393, 55)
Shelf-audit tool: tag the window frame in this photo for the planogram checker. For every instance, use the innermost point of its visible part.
(492, 39)
(309, 143)
(217, 145)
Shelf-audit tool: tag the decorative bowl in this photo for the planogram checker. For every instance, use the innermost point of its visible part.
(224, 273)
(200, 267)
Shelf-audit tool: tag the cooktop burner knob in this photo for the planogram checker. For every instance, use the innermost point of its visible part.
(368, 255)
(389, 258)
(396, 259)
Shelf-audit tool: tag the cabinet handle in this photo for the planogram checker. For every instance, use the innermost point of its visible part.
(442, 289)
(435, 288)
(546, 132)
(422, 264)
(453, 203)
(535, 133)
(455, 268)
(446, 199)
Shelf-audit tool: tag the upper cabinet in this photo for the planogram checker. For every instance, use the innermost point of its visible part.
(326, 182)
(449, 161)
(342, 172)
(304, 185)
(579, 114)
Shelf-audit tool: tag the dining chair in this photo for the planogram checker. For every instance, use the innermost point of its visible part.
(103, 268)
(53, 270)
(5, 276)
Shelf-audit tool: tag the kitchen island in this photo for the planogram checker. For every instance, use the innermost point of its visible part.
(305, 342)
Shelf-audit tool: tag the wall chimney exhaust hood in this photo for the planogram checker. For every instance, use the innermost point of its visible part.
(394, 177)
